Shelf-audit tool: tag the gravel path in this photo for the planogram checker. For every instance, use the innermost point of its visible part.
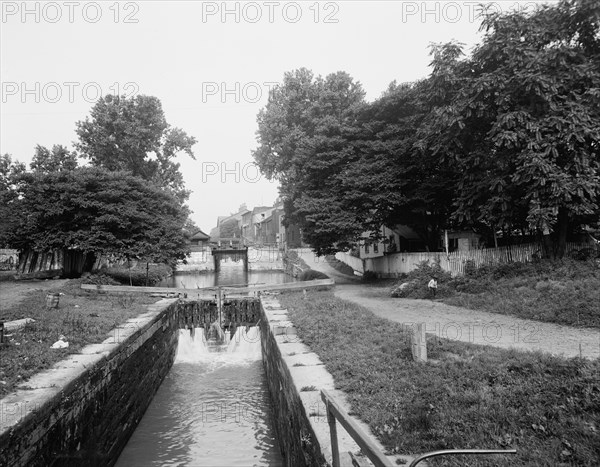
(462, 324)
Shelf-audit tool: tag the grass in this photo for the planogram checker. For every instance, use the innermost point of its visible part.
(339, 266)
(465, 396)
(311, 274)
(565, 292)
(82, 317)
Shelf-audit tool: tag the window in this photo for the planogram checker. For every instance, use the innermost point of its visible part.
(376, 247)
(367, 248)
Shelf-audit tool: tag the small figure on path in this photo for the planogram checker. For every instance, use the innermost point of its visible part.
(432, 286)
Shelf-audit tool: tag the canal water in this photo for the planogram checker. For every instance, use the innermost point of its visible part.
(213, 408)
(231, 273)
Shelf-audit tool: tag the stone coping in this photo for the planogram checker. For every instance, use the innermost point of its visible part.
(310, 376)
(48, 384)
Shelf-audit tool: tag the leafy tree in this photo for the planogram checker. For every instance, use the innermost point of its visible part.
(132, 134)
(97, 211)
(229, 229)
(302, 135)
(59, 158)
(519, 119)
(390, 178)
(190, 227)
(9, 174)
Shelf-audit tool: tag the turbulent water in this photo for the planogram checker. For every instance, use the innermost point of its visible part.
(212, 409)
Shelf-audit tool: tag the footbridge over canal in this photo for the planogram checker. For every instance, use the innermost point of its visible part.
(235, 254)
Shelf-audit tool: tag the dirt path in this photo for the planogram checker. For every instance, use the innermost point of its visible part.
(478, 327)
(12, 292)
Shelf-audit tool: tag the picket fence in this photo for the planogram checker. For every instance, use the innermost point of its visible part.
(455, 262)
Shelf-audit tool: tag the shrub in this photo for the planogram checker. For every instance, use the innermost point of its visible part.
(156, 273)
(99, 279)
(418, 279)
(292, 255)
(311, 274)
(369, 276)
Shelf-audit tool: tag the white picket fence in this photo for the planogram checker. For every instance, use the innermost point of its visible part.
(455, 262)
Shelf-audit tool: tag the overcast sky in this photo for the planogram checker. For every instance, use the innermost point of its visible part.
(211, 64)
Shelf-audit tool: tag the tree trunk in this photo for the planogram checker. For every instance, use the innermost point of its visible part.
(129, 269)
(562, 228)
(548, 246)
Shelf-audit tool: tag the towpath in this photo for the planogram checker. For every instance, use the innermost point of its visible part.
(462, 324)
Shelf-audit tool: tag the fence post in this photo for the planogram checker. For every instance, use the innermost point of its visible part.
(419, 342)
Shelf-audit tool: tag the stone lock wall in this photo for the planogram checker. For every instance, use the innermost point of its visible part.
(295, 377)
(298, 440)
(84, 409)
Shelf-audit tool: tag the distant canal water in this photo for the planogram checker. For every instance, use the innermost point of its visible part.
(230, 274)
(213, 409)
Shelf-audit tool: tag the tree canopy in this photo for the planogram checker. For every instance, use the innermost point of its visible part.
(521, 119)
(506, 138)
(132, 134)
(129, 203)
(303, 134)
(95, 210)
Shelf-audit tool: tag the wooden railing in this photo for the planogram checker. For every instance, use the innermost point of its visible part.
(228, 290)
(369, 448)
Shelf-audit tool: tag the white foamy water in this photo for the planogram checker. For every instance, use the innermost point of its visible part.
(243, 347)
(213, 409)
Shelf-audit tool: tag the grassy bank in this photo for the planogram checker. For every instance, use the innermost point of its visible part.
(563, 292)
(138, 274)
(339, 266)
(466, 396)
(83, 318)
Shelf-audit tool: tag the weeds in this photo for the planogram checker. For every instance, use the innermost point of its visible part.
(83, 318)
(308, 388)
(339, 265)
(311, 274)
(565, 292)
(466, 396)
(134, 276)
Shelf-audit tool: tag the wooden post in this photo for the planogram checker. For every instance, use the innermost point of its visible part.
(129, 269)
(220, 306)
(446, 242)
(419, 342)
(216, 260)
(335, 450)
